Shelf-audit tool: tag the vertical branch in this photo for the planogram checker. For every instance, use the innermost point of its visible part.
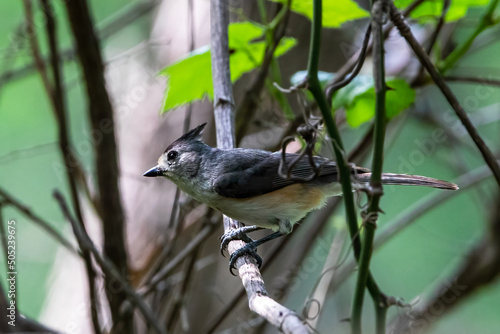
(406, 33)
(258, 300)
(224, 110)
(375, 189)
(58, 103)
(344, 170)
(101, 119)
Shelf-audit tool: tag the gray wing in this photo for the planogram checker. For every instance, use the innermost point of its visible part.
(257, 173)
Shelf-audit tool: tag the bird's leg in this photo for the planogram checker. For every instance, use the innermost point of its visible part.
(250, 248)
(237, 234)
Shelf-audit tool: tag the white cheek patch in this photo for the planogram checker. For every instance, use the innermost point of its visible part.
(189, 164)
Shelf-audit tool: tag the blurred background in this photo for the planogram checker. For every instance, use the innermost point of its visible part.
(438, 253)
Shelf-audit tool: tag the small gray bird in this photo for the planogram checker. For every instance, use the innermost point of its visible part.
(246, 185)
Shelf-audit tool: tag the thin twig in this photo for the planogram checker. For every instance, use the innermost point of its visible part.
(486, 21)
(432, 40)
(439, 26)
(349, 66)
(186, 251)
(22, 324)
(183, 290)
(406, 33)
(482, 81)
(35, 50)
(250, 100)
(158, 262)
(107, 265)
(9, 199)
(335, 86)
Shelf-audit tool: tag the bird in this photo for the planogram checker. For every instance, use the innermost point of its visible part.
(248, 185)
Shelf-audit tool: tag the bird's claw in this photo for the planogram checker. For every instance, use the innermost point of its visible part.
(231, 235)
(248, 249)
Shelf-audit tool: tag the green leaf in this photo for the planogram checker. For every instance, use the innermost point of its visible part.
(190, 78)
(335, 13)
(457, 10)
(358, 99)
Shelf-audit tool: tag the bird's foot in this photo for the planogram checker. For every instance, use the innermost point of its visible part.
(248, 249)
(236, 234)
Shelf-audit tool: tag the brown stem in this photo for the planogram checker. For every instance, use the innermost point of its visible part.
(106, 159)
(406, 33)
(58, 103)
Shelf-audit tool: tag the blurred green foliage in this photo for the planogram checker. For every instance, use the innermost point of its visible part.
(421, 256)
(431, 9)
(335, 13)
(30, 162)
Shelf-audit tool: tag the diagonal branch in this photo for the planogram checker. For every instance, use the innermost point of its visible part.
(485, 22)
(353, 62)
(406, 33)
(106, 265)
(22, 323)
(11, 200)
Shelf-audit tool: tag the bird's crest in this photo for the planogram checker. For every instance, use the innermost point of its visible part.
(193, 135)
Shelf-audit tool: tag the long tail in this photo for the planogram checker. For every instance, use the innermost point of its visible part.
(409, 180)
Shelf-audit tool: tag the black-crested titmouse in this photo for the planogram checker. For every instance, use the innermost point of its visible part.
(245, 184)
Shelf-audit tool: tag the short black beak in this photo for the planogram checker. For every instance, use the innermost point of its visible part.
(153, 172)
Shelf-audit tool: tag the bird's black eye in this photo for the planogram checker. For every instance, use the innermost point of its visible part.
(172, 155)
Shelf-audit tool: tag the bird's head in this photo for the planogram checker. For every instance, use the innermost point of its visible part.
(181, 160)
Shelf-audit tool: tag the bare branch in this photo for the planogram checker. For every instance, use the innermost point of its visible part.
(101, 119)
(35, 50)
(107, 266)
(406, 33)
(482, 81)
(351, 64)
(249, 273)
(70, 160)
(9, 199)
(22, 323)
(186, 251)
